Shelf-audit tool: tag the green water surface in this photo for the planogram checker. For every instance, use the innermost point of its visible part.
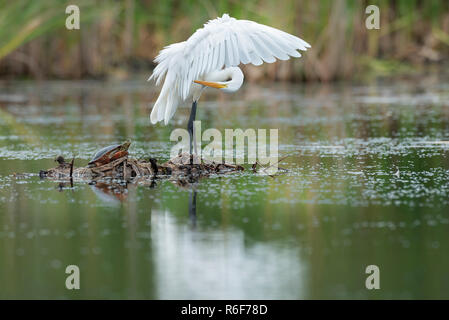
(368, 185)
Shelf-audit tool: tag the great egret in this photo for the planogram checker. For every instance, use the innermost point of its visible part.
(209, 58)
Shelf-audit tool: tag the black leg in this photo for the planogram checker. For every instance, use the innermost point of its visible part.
(190, 124)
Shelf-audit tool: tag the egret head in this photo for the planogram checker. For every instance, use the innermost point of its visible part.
(227, 80)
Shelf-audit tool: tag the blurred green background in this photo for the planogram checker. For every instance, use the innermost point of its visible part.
(120, 38)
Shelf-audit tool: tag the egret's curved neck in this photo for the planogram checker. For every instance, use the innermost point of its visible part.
(232, 77)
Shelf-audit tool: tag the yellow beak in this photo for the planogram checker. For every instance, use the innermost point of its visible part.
(211, 84)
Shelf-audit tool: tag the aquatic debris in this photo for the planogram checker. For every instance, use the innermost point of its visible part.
(120, 166)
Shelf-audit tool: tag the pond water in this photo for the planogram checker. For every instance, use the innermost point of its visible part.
(368, 185)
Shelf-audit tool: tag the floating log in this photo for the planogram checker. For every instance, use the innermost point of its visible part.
(127, 168)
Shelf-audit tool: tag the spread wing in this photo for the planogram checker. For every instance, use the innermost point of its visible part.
(222, 42)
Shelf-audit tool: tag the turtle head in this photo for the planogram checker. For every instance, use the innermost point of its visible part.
(60, 159)
(126, 145)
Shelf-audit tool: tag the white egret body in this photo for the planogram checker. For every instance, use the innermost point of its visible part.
(210, 58)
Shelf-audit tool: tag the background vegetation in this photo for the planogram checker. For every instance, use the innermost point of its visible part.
(121, 38)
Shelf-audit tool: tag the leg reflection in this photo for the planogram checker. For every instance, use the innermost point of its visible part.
(192, 207)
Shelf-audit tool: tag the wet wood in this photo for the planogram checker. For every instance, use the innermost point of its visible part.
(126, 168)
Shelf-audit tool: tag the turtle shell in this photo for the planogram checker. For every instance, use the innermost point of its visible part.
(104, 152)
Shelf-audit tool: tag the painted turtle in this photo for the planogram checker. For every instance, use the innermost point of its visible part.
(109, 153)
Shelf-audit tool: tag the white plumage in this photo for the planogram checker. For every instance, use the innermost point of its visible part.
(222, 42)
